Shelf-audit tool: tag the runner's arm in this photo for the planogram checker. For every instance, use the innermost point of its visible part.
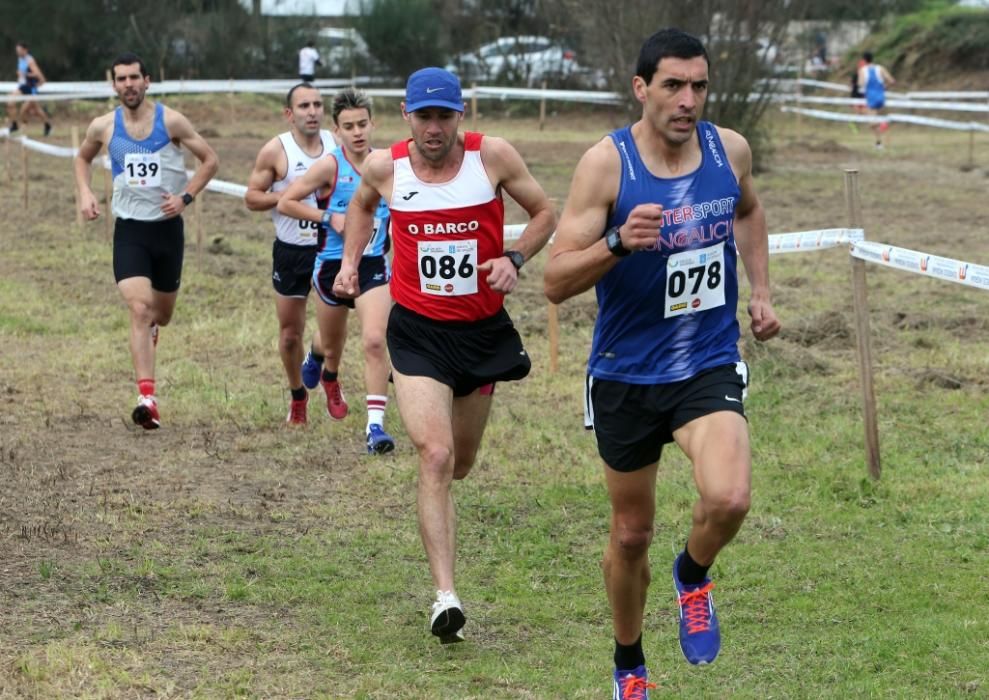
(359, 222)
(316, 179)
(504, 162)
(35, 70)
(181, 129)
(82, 165)
(518, 182)
(579, 256)
(751, 237)
(259, 196)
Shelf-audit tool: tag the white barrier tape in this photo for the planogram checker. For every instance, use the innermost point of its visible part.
(877, 119)
(99, 90)
(223, 187)
(840, 87)
(948, 95)
(923, 263)
(806, 241)
(905, 104)
(513, 232)
(502, 93)
(31, 144)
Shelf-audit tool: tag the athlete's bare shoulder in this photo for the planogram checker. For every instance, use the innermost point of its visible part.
(738, 150)
(600, 169)
(100, 130)
(378, 168)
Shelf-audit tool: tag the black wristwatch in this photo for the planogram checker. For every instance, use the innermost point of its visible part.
(187, 198)
(518, 260)
(613, 238)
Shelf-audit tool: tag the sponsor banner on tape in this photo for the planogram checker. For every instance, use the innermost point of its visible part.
(803, 241)
(923, 263)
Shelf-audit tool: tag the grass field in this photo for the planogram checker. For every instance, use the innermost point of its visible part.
(227, 556)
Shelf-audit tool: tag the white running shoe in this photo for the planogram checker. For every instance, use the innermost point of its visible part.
(448, 618)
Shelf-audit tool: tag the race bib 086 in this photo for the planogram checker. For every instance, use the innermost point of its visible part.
(448, 268)
(695, 281)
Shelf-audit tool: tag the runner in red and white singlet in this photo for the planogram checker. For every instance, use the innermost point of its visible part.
(449, 336)
(440, 233)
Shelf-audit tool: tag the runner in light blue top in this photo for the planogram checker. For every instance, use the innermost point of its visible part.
(29, 78)
(150, 192)
(337, 177)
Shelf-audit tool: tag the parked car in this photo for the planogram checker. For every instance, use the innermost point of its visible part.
(517, 59)
(343, 51)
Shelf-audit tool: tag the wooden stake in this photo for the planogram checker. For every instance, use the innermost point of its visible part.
(108, 203)
(542, 108)
(553, 330)
(109, 79)
(971, 148)
(24, 172)
(198, 207)
(800, 93)
(863, 333)
(473, 106)
(75, 147)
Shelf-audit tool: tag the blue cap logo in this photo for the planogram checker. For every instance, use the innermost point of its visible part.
(433, 87)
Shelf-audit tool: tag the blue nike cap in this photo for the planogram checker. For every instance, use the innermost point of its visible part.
(433, 87)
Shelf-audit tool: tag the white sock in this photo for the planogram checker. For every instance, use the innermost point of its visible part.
(375, 410)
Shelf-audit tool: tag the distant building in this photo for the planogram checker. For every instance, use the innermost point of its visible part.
(304, 8)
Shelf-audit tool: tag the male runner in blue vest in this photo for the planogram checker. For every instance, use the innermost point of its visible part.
(657, 214)
(29, 79)
(874, 79)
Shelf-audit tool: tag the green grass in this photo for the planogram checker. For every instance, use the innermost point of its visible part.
(226, 556)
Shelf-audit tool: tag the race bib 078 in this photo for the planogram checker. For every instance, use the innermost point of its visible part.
(695, 281)
(448, 268)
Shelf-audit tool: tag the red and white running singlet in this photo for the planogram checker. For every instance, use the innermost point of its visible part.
(441, 232)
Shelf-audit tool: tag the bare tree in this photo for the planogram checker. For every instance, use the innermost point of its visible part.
(741, 39)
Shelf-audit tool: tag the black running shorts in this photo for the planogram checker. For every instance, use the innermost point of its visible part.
(464, 355)
(291, 268)
(151, 249)
(371, 272)
(632, 422)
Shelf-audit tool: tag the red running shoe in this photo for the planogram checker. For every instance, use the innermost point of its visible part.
(145, 414)
(336, 405)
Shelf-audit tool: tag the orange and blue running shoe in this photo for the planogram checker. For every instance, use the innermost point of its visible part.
(700, 634)
(632, 685)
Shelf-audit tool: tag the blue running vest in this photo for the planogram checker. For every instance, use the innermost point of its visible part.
(331, 242)
(875, 89)
(667, 313)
